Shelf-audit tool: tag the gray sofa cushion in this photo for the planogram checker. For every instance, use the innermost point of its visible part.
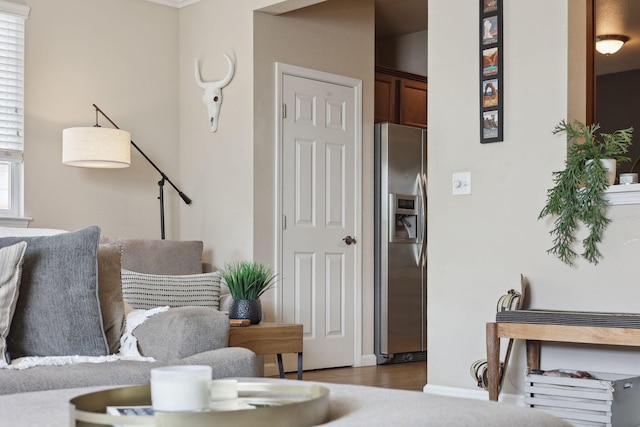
(11, 259)
(225, 362)
(110, 294)
(58, 311)
(182, 332)
(160, 256)
(146, 291)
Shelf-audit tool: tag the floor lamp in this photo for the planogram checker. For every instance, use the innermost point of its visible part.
(98, 147)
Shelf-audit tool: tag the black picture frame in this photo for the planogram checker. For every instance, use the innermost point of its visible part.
(491, 72)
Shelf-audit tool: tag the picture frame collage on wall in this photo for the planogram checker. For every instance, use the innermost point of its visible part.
(491, 71)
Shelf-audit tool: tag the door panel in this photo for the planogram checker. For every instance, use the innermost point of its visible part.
(318, 193)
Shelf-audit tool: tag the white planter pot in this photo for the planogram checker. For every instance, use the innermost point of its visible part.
(610, 167)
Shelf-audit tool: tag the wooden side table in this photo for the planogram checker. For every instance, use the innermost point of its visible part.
(269, 338)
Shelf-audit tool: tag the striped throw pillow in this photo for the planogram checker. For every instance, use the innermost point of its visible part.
(11, 259)
(147, 291)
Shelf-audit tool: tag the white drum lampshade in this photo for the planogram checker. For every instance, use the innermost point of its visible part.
(96, 147)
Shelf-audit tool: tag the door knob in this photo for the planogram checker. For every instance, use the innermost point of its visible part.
(349, 240)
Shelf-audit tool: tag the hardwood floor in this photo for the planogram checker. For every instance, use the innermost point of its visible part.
(404, 376)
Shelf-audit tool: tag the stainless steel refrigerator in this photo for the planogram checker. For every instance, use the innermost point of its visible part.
(400, 243)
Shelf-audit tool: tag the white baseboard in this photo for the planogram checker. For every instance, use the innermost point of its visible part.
(512, 399)
(367, 360)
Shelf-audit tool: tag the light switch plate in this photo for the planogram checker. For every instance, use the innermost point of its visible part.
(461, 183)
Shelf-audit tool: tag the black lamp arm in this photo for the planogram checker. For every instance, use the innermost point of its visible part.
(183, 196)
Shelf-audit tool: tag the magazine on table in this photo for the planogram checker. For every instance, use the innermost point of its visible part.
(131, 411)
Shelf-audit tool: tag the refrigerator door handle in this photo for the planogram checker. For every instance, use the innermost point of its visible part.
(422, 183)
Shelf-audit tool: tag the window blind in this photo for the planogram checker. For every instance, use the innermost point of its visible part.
(11, 86)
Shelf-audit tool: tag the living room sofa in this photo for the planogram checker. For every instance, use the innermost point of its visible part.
(69, 320)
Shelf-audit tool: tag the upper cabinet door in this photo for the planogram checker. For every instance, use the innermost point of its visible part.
(386, 93)
(413, 103)
(400, 98)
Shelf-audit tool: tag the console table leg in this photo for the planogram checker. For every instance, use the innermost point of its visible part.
(300, 365)
(533, 354)
(280, 367)
(493, 361)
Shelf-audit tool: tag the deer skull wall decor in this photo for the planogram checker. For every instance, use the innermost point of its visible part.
(212, 96)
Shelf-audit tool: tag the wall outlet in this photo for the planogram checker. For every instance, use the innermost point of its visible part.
(461, 183)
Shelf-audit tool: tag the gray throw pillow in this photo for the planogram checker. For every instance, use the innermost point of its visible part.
(58, 311)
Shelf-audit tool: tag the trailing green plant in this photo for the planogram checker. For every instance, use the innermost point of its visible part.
(247, 280)
(578, 194)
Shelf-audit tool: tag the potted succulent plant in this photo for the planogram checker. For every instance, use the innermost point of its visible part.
(247, 281)
(578, 194)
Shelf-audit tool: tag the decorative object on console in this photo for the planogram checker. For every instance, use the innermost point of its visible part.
(578, 193)
(212, 96)
(512, 300)
(628, 178)
(98, 147)
(247, 281)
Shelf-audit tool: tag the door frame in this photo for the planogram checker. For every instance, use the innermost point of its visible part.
(281, 70)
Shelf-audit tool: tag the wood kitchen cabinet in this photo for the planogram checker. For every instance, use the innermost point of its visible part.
(400, 98)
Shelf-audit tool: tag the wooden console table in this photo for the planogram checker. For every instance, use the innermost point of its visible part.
(534, 334)
(269, 338)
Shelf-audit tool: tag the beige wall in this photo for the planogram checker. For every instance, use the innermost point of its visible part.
(121, 55)
(218, 167)
(479, 244)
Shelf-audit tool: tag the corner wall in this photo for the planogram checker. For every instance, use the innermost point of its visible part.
(479, 244)
(407, 53)
(218, 167)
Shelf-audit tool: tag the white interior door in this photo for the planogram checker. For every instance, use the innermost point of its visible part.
(319, 206)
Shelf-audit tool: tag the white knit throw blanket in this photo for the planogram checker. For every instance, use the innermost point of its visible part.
(128, 347)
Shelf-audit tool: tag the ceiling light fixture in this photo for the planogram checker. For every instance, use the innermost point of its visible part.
(610, 43)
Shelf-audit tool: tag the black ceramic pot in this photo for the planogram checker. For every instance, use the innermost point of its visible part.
(246, 309)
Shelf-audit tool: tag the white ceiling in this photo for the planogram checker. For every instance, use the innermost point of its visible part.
(175, 3)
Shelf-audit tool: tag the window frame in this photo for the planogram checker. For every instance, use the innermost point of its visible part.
(14, 216)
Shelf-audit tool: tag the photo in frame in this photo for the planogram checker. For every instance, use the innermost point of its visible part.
(491, 71)
(490, 31)
(490, 93)
(490, 61)
(489, 6)
(490, 122)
